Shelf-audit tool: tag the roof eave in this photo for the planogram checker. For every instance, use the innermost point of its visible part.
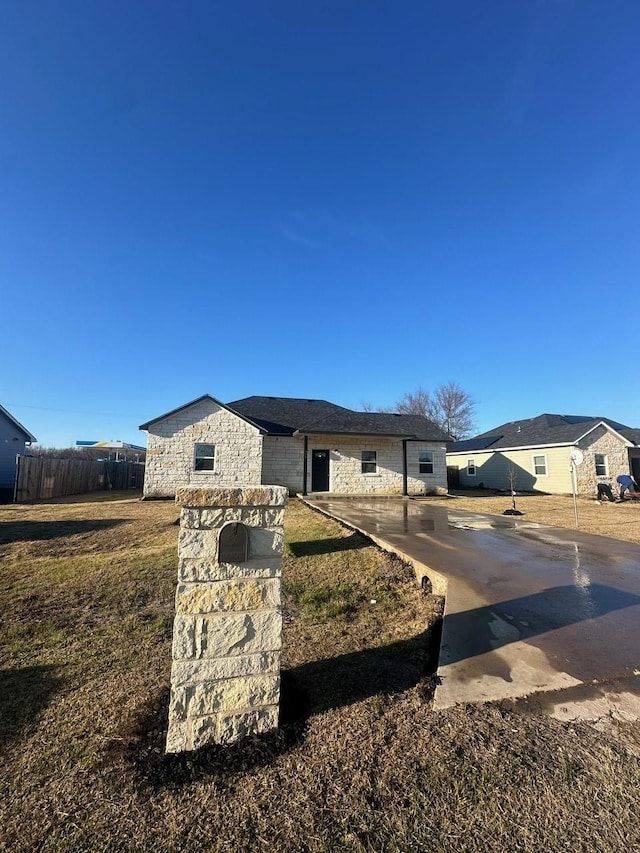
(222, 405)
(492, 449)
(407, 436)
(30, 438)
(623, 438)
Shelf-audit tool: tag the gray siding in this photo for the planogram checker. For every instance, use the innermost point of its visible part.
(12, 443)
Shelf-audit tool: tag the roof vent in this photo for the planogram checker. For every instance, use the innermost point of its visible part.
(519, 429)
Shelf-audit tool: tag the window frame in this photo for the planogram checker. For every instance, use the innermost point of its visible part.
(369, 462)
(604, 464)
(544, 473)
(471, 463)
(423, 464)
(197, 457)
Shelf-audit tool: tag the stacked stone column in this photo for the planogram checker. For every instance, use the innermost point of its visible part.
(225, 676)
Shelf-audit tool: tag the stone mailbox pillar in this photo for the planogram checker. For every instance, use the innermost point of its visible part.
(225, 677)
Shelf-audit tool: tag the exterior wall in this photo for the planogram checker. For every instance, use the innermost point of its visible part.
(12, 443)
(492, 469)
(418, 483)
(170, 452)
(345, 470)
(617, 453)
(283, 461)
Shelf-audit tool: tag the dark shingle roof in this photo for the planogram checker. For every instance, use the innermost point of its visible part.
(283, 415)
(540, 431)
(287, 415)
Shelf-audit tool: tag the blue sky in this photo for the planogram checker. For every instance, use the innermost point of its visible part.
(342, 200)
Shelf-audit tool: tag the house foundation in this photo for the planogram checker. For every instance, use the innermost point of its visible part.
(225, 675)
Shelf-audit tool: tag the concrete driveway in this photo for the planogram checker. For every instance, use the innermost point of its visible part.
(530, 611)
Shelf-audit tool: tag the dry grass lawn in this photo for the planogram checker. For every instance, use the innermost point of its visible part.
(619, 521)
(360, 763)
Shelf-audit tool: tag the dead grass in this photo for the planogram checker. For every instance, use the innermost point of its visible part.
(619, 521)
(360, 763)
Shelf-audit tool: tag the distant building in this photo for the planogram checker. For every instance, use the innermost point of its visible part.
(13, 440)
(536, 453)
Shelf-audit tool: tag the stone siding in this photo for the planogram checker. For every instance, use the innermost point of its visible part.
(430, 484)
(282, 461)
(601, 440)
(345, 466)
(171, 448)
(225, 677)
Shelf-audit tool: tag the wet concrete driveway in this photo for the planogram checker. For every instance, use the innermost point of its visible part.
(531, 610)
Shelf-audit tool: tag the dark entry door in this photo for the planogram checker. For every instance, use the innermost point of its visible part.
(319, 470)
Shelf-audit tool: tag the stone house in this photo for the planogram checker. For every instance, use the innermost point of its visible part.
(538, 451)
(305, 445)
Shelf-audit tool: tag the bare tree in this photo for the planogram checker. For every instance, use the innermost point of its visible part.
(512, 477)
(449, 406)
(513, 481)
(418, 402)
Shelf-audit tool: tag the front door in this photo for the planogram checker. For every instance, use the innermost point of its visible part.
(319, 470)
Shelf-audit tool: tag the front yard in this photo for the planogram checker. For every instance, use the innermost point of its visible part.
(360, 763)
(619, 520)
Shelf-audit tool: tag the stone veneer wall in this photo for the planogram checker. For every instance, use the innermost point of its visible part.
(418, 483)
(345, 467)
(171, 448)
(601, 440)
(282, 461)
(225, 676)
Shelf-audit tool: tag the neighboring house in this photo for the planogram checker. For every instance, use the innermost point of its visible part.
(305, 445)
(538, 452)
(13, 439)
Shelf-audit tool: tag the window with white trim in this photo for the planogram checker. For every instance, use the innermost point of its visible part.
(471, 467)
(204, 457)
(369, 461)
(602, 467)
(425, 461)
(540, 465)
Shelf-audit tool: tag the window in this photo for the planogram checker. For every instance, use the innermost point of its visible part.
(540, 466)
(205, 457)
(369, 465)
(426, 462)
(471, 467)
(601, 465)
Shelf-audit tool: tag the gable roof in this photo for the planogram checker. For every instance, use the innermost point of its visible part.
(292, 415)
(18, 425)
(542, 431)
(146, 425)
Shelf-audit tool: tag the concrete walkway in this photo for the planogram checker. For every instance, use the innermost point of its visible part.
(531, 610)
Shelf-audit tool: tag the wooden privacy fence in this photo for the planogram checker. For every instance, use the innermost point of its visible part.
(39, 477)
